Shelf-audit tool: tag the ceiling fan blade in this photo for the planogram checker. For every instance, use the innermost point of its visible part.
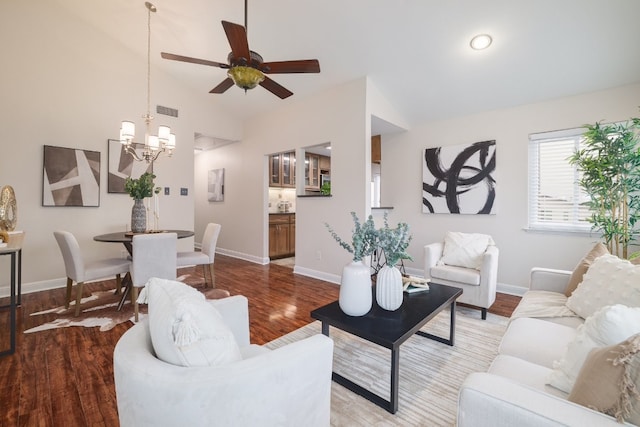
(173, 57)
(301, 66)
(222, 87)
(275, 88)
(237, 36)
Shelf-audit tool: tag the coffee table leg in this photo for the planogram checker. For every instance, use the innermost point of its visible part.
(395, 377)
(452, 329)
(325, 329)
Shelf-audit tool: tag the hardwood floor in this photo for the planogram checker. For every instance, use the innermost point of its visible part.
(64, 377)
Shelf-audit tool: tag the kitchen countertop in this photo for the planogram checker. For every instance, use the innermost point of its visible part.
(281, 213)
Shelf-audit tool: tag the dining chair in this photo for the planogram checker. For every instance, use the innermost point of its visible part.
(153, 255)
(207, 254)
(78, 271)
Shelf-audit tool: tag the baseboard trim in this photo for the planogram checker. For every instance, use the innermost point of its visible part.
(240, 255)
(321, 275)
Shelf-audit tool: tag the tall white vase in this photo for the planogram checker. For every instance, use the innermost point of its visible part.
(355, 289)
(389, 288)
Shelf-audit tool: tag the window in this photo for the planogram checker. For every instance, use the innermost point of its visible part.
(556, 202)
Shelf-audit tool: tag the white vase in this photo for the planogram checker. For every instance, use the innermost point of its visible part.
(389, 288)
(355, 289)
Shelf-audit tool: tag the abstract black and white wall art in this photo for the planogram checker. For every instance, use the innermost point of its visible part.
(215, 185)
(71, 177)
(122, 166)
(460, 179)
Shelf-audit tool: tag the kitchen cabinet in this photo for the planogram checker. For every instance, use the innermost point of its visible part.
(282, 170)
(312, 172)
(325, 165)
(376, 149)
(282, 235)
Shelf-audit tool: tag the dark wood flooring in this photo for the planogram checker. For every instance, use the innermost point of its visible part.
(64, 377)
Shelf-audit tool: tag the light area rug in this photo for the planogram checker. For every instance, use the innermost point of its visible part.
(431, 373)
(99, 310)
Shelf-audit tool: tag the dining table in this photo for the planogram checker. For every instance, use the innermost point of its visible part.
(126, 238)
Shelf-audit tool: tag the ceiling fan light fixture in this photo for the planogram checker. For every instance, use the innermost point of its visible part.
(245, 77)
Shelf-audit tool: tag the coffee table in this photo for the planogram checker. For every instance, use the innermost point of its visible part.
(390, 329)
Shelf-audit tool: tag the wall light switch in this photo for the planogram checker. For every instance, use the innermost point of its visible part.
(184, 191)
(166, 191)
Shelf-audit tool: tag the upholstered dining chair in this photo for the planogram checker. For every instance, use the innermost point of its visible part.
(153, 255)
(206, 256)
(468, 261)
(78, 271)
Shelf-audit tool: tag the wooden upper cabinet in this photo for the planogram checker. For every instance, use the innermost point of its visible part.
(325, 164)
(376, 151)
(312, 171)
(282, 170)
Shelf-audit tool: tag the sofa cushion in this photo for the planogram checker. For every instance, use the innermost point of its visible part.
(465, 249)
(536, 341)
(550, 306)
(607, 380)
(185, 329)
(610, 280)
(525, 373)
(610, 325)
(456, 274)
(579, 271)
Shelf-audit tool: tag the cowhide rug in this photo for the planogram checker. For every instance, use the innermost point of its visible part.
(100, 309)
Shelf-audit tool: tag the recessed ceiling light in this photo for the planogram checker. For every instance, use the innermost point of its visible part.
(481, 41)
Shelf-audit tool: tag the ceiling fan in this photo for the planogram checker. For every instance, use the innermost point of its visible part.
(246, 67)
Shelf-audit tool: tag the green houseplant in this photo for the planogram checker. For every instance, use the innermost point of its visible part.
(393, 242)
(139, 189)
(609, 165)
(356, 297)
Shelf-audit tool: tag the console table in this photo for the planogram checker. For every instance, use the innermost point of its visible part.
(14, 250)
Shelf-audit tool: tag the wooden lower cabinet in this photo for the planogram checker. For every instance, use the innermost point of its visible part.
(282, 235)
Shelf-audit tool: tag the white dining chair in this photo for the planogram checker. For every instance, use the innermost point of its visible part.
(80, 272)
(207, 254)
(153, 255)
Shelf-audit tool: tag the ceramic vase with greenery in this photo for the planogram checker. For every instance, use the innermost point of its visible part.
(609, 163)
(140, 189)
(394, 243)
(355, 285)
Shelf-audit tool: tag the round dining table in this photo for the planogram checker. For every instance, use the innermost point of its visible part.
(126, 237)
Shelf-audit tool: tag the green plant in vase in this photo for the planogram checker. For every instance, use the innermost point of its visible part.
(394, 243)
(139, 189)
(356, 297)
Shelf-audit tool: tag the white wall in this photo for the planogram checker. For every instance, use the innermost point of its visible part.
(336, 116)
(519, 250)
(63, 83)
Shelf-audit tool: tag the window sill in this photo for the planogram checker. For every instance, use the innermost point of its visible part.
(561, 231)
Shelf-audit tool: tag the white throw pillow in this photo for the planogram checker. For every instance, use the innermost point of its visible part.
(609, 325)
(465, 249)
(185, 329)
(609, 280)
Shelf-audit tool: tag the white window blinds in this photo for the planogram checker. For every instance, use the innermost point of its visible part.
(556, 202)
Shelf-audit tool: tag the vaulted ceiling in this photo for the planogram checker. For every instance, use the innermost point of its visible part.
(415, 51)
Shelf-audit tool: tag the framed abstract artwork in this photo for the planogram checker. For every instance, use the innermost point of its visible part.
(460, 179)
(71, 177)
(215, 185)
(122, 165)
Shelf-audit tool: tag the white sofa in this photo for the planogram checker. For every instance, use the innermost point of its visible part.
(289, 386)
(513, 391)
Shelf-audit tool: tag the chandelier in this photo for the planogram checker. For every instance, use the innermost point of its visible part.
(154, 145)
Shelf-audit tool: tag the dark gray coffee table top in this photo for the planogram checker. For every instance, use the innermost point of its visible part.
(389, 329)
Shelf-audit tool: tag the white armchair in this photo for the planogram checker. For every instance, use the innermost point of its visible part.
(289, 386)
(478, 284)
